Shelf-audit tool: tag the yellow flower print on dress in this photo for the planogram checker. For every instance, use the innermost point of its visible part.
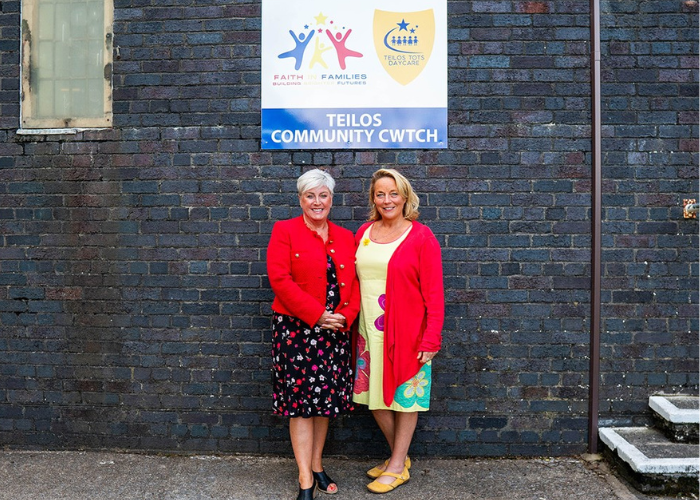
(416, 390)
(416, 386)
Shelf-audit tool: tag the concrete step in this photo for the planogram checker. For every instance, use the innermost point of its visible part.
(652, 462)
(678, 416)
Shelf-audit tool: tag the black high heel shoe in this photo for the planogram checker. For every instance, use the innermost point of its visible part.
(324, 481)
(307, 493)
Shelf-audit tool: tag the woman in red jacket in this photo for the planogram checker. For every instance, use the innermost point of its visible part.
(402, 311)
(311, 267)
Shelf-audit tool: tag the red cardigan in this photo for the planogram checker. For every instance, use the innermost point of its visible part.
(296, 267)
(415, 305)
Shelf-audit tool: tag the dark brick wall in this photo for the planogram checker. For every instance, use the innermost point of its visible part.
(133, 297)
(650, 164)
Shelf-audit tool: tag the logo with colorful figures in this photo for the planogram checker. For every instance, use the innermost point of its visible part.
(321, 42)
(404, 42)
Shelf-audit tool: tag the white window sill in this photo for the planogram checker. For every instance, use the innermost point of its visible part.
(55, 131)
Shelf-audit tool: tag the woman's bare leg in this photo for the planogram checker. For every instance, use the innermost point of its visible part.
(385, 420)
(301, 431)
(404, 426)
(398, 429)
(320, 433)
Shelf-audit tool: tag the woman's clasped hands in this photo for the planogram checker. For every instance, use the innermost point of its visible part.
(331, 321)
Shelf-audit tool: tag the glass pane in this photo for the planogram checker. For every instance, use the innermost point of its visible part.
(94, 25)
(46, 59)
(62, 98)
(46, 21)
(44, 98)
(95, 91)
(78, 18)
(78, 97)
(78, 61)
(61, 56)
(95, 57)
(68, 62)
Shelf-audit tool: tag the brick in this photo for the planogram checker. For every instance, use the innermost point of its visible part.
(134, 258)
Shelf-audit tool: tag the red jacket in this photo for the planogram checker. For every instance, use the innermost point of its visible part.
(296, 267)
(415, 305)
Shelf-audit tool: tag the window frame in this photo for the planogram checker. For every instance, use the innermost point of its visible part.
(28, 122)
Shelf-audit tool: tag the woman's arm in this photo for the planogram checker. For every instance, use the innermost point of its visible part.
(433, 293)
(296, 300)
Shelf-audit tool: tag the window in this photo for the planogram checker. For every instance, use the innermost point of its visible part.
(66, 63)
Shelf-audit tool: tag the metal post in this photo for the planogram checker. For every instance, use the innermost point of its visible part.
(596, 186)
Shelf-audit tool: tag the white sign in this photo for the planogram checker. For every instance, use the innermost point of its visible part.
(362, 74)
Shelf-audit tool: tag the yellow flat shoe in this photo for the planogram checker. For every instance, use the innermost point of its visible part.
(375, 472)
(377, 487)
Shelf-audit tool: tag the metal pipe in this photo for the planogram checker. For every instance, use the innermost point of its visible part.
(596, 187)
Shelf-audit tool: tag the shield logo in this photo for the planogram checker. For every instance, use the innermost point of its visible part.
(404, 42)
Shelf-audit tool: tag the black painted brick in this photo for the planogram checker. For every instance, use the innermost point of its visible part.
(134, 306)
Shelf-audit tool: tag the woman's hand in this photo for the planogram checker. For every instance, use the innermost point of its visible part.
(425, 356)
(331, 321)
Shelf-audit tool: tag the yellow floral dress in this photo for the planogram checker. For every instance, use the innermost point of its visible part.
(371, 261)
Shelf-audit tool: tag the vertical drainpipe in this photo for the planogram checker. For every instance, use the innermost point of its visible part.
(596, 186)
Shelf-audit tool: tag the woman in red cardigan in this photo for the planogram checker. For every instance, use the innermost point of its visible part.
(311, 267)
(399, 266)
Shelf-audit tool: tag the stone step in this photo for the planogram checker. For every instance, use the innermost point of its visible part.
(678, 416)
(652, 462)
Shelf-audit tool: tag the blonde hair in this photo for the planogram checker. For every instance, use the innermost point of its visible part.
(410, 208)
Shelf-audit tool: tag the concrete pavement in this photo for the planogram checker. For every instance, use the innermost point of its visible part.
(76, 475)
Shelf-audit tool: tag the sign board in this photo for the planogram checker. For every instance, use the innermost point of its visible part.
(362, 74)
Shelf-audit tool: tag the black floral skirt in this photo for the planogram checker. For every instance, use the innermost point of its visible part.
(312, 373)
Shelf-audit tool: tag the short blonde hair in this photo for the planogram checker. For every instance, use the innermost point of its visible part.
(313, 179)
(410, 208)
